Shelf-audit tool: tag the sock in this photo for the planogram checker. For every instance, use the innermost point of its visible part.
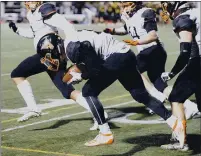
(158, 95)
(190, 109)
(105, 129)
(82, 102)
(171, 121)
(27, 94)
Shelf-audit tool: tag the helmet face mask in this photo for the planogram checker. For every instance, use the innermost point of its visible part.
(130, 7)
(32, 5)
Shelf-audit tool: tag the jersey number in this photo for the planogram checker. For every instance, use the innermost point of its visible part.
(133, 32)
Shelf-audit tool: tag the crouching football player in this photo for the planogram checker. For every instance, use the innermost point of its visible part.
(44, 21)
(107, 60)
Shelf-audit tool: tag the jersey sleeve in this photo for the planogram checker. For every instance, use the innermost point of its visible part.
(60, 22)
(25, 32)
(47, 10)
(149, 16)
(183, 23)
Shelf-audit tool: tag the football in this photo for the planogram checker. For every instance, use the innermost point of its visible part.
(67, 75)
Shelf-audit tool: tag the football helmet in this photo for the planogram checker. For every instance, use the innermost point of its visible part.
(171, 10)
(32, 5)
(51, 49)
(130, 7)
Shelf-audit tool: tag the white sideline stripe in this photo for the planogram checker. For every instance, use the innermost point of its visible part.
(62, 117)
(6, 74)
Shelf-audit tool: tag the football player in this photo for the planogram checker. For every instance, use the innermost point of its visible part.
(186, 25)
(141, 25)
(107, 60)
(44, 23)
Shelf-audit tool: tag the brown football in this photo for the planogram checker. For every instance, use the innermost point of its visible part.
(68, 76)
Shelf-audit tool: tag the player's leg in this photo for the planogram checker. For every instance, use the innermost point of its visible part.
(131, 80)
(183, 88)
(143, 59)
(30, 66)
(156, 66)
(91, 90)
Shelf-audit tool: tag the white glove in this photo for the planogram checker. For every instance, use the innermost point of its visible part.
(76, 78)
(166, 76)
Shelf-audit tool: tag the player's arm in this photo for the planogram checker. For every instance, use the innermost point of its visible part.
(117, 31)
(25, 32)
(150, 26)
(83, 52)
(51, 17)
(184, 28)
(185, 32)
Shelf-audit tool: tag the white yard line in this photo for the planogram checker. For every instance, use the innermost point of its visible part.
(62, 117)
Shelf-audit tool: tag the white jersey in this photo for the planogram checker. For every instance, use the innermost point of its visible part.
(194, 15)
(40, 27)
(104, 44)
(135, 27)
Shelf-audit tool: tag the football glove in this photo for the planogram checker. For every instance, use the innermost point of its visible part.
(109, 31)
(166, 76)
(76, 78)
(12, 26)
(132, 42)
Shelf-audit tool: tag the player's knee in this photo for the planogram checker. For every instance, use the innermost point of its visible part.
(15, 73)
(175, 98)
(140, 95)
(160, 85)
(87, 91)
(67, 93)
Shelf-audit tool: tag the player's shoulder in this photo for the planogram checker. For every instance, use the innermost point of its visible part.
(183, 22)
(148, 13)
(47, 9)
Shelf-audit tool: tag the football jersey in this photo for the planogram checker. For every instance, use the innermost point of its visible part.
(104, 44)
(135, 26)
(40, 25)
(189, 20)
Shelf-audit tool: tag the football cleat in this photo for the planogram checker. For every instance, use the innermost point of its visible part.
(95, 125)
(175, 146)
(28, 116)
(101, 139)
(179, 132)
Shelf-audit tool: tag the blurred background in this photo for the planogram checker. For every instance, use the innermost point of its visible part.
(76, 12)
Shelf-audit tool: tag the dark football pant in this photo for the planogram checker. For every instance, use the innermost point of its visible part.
(188, 83)
(32, 66)
(153, 61)
(120, 67)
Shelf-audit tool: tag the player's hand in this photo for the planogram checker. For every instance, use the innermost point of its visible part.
(76, 78)
(108, 31)
(166, 76)
(132, 42)
(12, 26)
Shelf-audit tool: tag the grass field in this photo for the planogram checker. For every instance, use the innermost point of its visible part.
(64, 129)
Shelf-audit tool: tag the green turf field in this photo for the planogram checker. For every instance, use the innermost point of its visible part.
(63, 130)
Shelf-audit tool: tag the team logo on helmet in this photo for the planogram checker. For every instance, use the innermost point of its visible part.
(32, 5)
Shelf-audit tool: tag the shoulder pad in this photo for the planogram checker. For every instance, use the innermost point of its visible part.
(149, 14)
(47, 10)
(183, 22)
